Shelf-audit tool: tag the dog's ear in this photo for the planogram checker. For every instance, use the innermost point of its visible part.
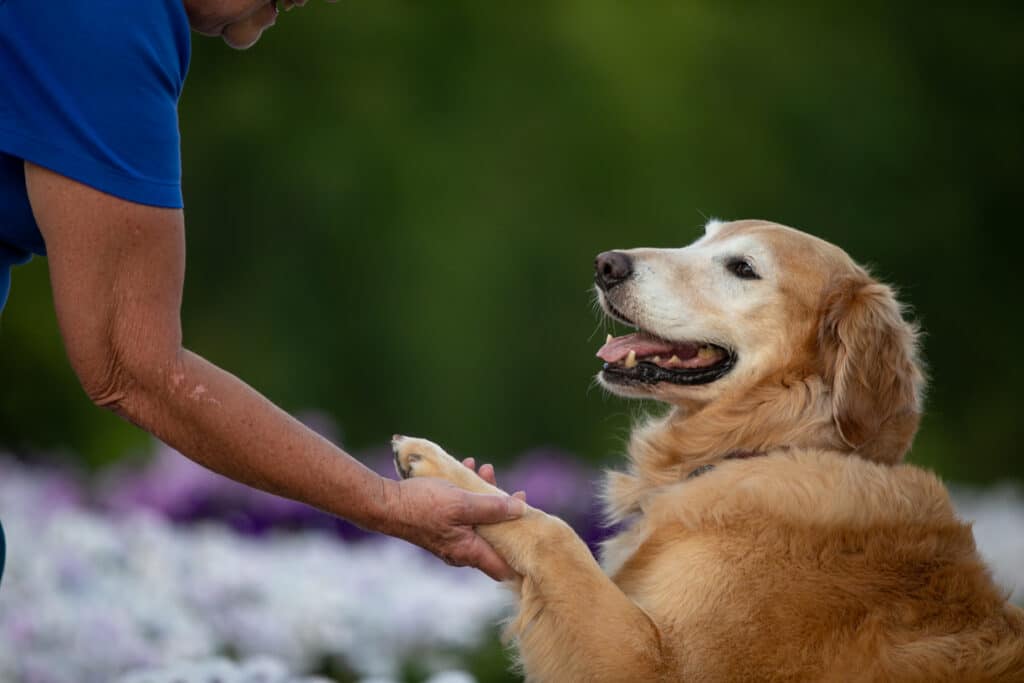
(871, 364)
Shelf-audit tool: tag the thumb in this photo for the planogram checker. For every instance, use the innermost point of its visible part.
(483, 508)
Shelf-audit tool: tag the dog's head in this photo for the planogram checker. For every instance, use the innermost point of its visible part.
(753, 304)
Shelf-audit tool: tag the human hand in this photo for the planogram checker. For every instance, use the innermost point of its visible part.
(239, 22)
(437, 515)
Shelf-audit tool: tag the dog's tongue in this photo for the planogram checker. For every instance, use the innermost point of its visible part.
(618, 348)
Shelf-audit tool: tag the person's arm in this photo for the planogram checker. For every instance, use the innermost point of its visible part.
(117, 270)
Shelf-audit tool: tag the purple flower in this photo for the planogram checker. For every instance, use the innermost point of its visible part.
(186, 492)
(559, 483)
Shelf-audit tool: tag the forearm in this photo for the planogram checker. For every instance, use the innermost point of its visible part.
(222, 423)
(117, 269)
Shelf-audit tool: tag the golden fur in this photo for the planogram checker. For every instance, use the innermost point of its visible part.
(824, 560)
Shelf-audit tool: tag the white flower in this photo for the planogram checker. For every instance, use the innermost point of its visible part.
(998, 522)
(87, 598)
(257, 670)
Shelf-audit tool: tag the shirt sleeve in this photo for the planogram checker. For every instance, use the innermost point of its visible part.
(90, 90)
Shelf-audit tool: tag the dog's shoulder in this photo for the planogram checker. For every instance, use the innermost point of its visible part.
(809, 488)
(802, 545)
(826, 512)
(810, 494)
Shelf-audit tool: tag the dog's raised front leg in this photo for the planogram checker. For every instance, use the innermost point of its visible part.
(574, 624)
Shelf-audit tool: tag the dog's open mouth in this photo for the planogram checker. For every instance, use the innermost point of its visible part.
(643, 358)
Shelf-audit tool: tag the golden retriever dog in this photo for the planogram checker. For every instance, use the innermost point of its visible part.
(770, 531)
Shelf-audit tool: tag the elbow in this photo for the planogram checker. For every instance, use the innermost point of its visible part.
(119, 379)
(107, 383)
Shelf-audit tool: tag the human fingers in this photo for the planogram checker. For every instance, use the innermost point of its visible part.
(474, 551)
(486, 473)
(244, 33)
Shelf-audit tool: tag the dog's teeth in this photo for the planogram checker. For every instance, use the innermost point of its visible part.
(656, 359)
(706, 352)
(608, 339)
(631, 359)
(674, 360)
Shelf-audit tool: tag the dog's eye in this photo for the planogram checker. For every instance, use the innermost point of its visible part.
(742, 269)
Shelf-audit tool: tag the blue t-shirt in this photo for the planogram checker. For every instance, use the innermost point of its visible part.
(89, 90)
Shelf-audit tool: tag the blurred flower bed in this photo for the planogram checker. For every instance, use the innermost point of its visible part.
(171, 574)
(91, 593)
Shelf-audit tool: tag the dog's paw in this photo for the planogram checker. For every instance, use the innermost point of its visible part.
(421, 458)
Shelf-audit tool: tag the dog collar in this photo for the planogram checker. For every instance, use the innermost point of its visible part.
(734, 455)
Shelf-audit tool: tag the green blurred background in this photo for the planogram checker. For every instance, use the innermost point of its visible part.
(393, 207)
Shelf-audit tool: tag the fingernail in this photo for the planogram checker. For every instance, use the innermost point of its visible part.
(516, 508)
(521, 495)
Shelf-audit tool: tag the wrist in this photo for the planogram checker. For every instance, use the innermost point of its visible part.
(358, 495)
(383, 506)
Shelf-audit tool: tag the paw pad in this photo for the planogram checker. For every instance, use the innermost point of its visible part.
(405, 458)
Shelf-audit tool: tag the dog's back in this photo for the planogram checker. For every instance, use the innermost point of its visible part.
(809, 565)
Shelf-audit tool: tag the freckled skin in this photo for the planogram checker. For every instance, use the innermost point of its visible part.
(117, 270)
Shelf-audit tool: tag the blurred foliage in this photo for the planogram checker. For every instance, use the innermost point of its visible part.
(393, 206)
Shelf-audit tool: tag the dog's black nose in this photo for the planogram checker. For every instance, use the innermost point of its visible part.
(612, 268)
